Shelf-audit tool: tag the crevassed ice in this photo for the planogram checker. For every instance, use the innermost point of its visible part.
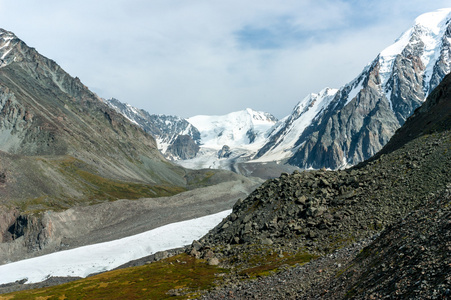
(231, 129)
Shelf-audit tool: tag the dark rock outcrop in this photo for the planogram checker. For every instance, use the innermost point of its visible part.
(184, 147)
(225, 152)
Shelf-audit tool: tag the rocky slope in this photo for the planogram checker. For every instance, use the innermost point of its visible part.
(57, 137)
(321, 212)
(409, 260)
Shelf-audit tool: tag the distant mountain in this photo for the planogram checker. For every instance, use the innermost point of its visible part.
(230, 138)
(334, 128)
(218, 142)
(338, 128)
(176, 137)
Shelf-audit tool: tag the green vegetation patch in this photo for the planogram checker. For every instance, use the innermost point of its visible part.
(101, 188)
(199, 178)
(178, 277)
(264, 265)
(77, 183)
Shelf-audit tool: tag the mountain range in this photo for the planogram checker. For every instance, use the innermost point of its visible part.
(77, 170)
(335, 128)
(378, 230)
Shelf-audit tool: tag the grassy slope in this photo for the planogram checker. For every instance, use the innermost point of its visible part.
(177, 277)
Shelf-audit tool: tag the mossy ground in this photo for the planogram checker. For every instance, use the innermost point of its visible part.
(92, 187)
(264, 265)
(178, 277)
(256, 260)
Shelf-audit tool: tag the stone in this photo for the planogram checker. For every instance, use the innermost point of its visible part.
(267, 241)
(213, 261)
(301, 200)
(196, 245)
(161, 255)
(208, 254)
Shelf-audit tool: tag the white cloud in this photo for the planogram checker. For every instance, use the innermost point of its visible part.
(187, 57)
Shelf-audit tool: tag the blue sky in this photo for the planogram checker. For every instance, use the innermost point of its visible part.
(195, 57)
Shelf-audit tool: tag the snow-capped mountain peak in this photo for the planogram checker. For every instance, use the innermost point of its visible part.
(236, 129)
(427, 33)
(362, 115)
(434, 21)
(7, 42)
(284, 136)
(337, 127)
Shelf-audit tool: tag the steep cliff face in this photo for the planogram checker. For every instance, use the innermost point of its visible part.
(364, 114)
(183, 147)
(285, 133)
(46, 111)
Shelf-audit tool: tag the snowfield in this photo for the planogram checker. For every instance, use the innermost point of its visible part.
(83, 261)
(233, 129)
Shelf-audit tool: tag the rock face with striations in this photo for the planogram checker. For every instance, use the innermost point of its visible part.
(183, 147)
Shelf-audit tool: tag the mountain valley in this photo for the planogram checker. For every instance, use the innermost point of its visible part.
(62, 147)
(379, 229)
(348, 197)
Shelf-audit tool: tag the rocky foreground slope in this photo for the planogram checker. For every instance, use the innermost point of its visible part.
(323, 213)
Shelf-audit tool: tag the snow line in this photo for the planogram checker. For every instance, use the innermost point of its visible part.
(106, 256)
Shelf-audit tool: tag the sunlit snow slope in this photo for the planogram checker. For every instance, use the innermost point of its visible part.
(239, 134)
